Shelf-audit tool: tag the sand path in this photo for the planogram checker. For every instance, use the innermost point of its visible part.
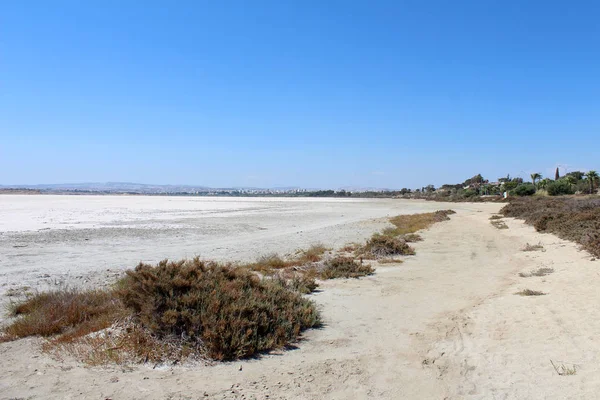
(445, 324)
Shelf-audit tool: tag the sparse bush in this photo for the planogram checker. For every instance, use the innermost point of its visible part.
(383, 246)
(496, 216)
(345, 267)
(229, 311)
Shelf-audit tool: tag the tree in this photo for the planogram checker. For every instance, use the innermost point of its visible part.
(593, 177)
(576, 174)
(556, 175)
(536, 176)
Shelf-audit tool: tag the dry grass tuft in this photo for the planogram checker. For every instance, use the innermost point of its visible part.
(349, 248)
(311, 255)
(390, 260)
(533, 247)
(563, 369)
(345, 267)
(67, 313)
(529, 292)
(538, 272)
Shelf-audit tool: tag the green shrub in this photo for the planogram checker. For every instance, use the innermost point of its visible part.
(560, 187)
(230, 312)
(526, 189)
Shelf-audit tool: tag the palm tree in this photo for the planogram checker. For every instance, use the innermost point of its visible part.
(536, 176)
(593, 178)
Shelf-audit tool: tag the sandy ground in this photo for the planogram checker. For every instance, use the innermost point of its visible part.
(446, 324)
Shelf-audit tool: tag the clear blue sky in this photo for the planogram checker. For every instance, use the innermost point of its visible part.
(310, 93)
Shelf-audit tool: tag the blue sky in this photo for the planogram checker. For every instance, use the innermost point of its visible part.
(309, 93)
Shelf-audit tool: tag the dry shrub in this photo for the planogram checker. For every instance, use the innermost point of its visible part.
(571, 218)
(230, 312)
(345, 267)
(125, 342)
(496, 216)
(499, 224)
(303, 281)
(538, 272)
(384, 246)
(529, 292)
(533, 247)
(68, 313)
(349, 247)
(411, 223)
(412, 237)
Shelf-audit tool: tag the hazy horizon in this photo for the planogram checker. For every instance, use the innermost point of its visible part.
(381, 94)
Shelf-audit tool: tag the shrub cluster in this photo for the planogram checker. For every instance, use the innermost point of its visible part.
(571, 218)
(560, 187)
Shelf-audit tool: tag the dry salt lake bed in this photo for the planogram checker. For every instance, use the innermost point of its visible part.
(445, 324)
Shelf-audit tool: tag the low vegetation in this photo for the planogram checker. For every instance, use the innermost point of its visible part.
(533, 247)
(529, 292)
(66, 313)
(384, 246)
(193, 306)
(571, 218)
(499, 224)
(564, 369)
(202, 309)
(538, 272)
(393, 241)
(411, 223)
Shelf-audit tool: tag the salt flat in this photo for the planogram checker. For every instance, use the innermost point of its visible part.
(49, 240)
